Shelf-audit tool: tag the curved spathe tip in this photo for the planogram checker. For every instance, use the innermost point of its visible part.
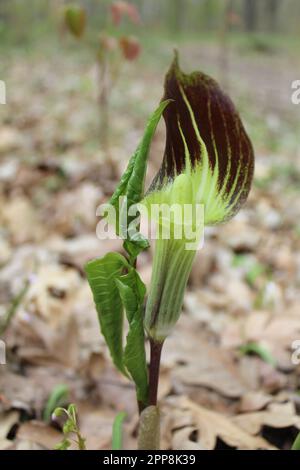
(205, 138)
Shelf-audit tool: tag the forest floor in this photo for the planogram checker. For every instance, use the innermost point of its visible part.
(227, 377)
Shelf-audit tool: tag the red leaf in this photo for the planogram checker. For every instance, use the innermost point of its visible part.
(130, 46)
(121, 9)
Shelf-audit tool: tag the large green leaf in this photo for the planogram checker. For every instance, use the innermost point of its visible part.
(135, 187)
(132, 292)
(132, 184)
(102, 274)
(121, 189)
(135, 245)
(132, 181)
(113, 290)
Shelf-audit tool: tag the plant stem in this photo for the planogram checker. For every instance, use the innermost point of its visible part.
(141, 406)
(13, 308)
(81, 442)
(155, 355)
(103, 100)
(149, 429)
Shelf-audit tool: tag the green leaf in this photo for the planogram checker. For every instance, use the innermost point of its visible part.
(117, 431)
(254, 269)
(113, 290)
(57, 398)
(135, 187)
(132, 181)
(135, 246)
(75, 19)
(16, 301)
(72, 412)
(132, 292)
(260, 351)
(296, 444)
(254, 272)
(68, 427)
(63, 445)
(122, 187)
(135, 358)
(102, 274)
(132, 184)
(59, 412)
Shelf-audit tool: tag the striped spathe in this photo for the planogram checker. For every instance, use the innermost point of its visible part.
(205, 139)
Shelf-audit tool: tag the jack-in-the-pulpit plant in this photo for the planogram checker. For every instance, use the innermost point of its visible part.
(208, 163)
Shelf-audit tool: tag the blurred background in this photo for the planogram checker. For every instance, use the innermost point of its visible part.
(78, 94)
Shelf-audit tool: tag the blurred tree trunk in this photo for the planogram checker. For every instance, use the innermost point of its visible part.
(150, 12)
(208, 13)
(177, 10)
(272, 7)
(228, 9)
(3, 10)
(250, 14)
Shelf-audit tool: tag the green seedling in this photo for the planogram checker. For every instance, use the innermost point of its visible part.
(16, 302)
(70, 428)
(117, 433)
(57, 398)
(256, 348)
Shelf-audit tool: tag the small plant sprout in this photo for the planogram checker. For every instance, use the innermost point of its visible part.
(58, 397)
(15, 304)
(117, 433)
(111, 47)
(70, 428)
(207, 165)
(296, 443)
(254, 348)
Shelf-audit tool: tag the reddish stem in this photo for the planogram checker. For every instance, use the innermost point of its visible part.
(155, 354)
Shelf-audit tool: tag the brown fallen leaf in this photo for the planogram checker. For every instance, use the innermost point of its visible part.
(47, 327)
(74, 211)
(253, 401)
(39, 433)
(10, 139)
(96, 425)
(182, 440)
(277, 415)
(17, 392)
(206, 426)
(26, 445)
(274, 332)
(80, 250)
(19, 217)
(5, 444)
(239, 235)
(7, 421)
(194, 361)
(31, 392)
